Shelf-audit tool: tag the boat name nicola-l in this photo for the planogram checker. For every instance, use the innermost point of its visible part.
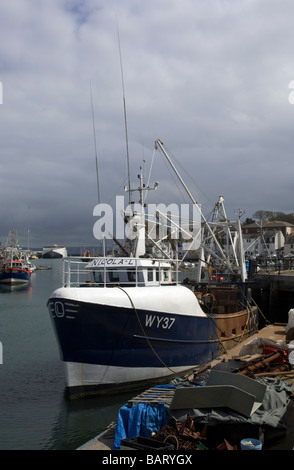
(108, 261)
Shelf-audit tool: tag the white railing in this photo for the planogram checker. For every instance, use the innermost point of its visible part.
(106, 274)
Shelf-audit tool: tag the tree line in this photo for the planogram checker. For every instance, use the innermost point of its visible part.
(269, 216)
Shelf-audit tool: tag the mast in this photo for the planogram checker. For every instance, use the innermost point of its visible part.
(95, 145)
(125, 116)
(239, 213)
(96, 159)
(136, 219)
(29, 242)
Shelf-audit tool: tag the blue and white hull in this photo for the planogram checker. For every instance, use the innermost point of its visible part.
(114, 338)
(14, 276)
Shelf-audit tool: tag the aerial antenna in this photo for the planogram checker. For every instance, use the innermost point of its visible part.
(29, 242)
(125, 116)
(94, 133)
(96, 158)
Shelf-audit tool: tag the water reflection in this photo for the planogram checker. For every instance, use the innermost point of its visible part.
(6, 288)
(85, 419)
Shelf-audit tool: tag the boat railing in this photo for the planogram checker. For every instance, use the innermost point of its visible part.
(101, 272)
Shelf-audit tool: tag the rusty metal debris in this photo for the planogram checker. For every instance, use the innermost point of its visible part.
(184, 436)
(226, 446)
(187, 429)
(266, 365)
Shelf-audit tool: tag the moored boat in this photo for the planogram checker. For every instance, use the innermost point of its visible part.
(14, 265)
(54, 251)
(124, 322)
(14, 271)
(116, 334)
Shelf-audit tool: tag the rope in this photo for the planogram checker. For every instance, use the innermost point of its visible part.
(142, 328)
(263, 316)
(172, 436)
(216, 327)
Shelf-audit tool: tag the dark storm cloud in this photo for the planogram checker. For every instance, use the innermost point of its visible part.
(210, 79)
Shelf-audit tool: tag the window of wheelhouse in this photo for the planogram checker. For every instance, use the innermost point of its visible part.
(113, 275)
(150, 274)
(157, 274)
(131, 276)
(98, 277)
(165, 275)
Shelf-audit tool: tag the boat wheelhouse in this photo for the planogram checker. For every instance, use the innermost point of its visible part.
(125, 272)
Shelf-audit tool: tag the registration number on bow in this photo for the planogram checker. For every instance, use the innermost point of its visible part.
(159, 322)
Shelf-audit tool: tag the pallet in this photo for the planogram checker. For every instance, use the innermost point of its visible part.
(153, 396)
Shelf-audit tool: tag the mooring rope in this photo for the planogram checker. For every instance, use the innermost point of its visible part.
(146, 337)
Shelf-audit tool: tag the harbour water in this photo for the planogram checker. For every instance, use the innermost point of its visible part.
(34, 413)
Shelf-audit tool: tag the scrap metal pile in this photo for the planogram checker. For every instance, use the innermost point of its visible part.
(272, 361)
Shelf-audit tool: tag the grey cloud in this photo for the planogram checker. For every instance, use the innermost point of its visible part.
(210, 79)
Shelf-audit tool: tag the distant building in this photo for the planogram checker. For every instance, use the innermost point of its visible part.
(285, 227)
(267, 238)
(288, 248)
(267, 243)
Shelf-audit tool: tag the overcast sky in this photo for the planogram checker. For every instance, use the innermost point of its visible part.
(209, 78)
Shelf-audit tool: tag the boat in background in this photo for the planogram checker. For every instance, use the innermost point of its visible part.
(122, 323)
(54, 251)
(14, 271)
(15, 267)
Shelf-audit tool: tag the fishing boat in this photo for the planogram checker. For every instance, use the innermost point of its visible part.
(14, 264)
(124, 322)
(14, 271)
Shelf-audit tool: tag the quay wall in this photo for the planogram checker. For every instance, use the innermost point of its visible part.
(274, 294)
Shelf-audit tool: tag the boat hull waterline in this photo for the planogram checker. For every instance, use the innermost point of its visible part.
(11, 276)
(114, 339)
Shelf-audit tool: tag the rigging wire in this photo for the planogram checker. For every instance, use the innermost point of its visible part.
(189, 176)
(173, 177)
(150, 171)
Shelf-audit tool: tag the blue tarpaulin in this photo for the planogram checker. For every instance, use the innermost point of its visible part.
(139, 420)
